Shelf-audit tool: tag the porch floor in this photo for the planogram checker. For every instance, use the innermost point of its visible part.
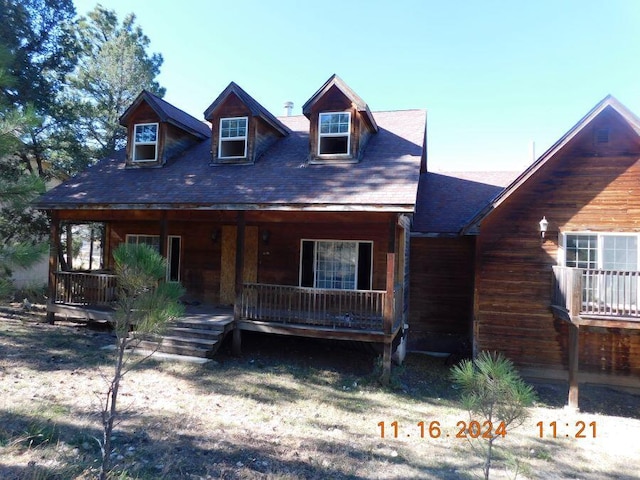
(203, 313)
(209, 315)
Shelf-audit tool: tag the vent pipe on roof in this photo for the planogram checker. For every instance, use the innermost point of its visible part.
(533, 151)
(288, 108)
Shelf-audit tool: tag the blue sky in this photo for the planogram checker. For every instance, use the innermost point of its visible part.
(494, 76)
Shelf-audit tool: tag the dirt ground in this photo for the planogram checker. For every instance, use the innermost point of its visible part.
(286, 409)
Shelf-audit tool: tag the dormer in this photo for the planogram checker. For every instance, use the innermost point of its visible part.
(340, 123)
(241, 129)
(157, 131)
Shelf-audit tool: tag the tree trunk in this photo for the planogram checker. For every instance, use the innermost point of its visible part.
(110, 412)
(487, 463)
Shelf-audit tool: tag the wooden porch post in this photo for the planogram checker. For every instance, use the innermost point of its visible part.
(54, 248)
(388, 320)
(575, 291)
(574, 354)
(236, 346)
(69, 232)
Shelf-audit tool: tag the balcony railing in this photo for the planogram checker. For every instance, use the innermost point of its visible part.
(354, 309)
(83, 288)
(596, 292)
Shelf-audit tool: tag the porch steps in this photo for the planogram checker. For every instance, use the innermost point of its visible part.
(194, 337)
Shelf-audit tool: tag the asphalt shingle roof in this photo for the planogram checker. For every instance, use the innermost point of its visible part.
(446, 202)
(168, 113)
(386, 176)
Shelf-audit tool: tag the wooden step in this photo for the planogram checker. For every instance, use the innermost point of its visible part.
(188, 350)
(191, 336)
(200, 324)
(193, 332)
(198, 342)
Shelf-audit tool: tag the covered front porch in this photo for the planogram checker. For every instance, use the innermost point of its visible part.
(334, 275)
(605, 299)
(373, 316)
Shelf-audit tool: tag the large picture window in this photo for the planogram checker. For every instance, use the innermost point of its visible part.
(233, 138)
(335, 264)
(334, 133)
(145, 142)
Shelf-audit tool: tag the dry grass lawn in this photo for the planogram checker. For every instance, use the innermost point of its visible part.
(287, 409)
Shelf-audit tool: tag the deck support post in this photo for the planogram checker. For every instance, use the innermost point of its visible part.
(574, 354)
(54, 248)
(386, 363)
(236, 343)
(388, 320)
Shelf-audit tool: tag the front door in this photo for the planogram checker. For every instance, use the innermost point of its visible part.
(228, 261)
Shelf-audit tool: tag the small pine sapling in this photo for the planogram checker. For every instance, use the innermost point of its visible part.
(495, 396)
(144, 303)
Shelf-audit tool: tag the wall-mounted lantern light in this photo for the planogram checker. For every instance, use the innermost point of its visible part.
(265, 237)
(544, 223)
(215, 235)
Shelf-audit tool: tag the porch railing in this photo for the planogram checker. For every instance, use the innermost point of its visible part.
(597, 292)
(83, 288)
(356, 309)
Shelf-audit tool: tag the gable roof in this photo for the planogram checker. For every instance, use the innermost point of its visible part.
(386, 179)
(448, 200)
(609, 102)
(254, 107)
(336, 81)
(167, 113)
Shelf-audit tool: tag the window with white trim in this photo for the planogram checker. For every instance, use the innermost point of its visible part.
(606, 251)
(334, 133)
(173, 251)
(581, 251)
(233, 137)
(336, 264)
(145, 142)
(612, 252)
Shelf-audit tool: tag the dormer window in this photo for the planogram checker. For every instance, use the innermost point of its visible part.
(145, 142)
(233, 138)
(334, 133)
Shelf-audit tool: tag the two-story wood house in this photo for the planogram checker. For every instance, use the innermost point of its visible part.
(325, 224)
(545, 270)
(299, 222)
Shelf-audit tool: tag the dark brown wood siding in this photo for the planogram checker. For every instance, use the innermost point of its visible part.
(585, 186)
(176, 141)
(441, 293)
(265, 136)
